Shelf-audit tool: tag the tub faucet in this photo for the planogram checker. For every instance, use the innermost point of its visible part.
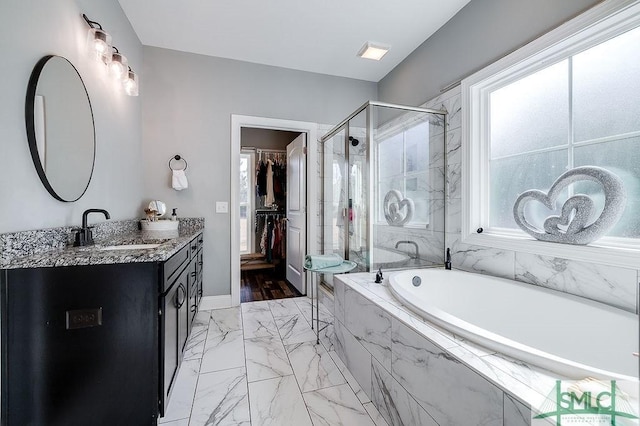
(379, 276)
(416, 254)
(447, 261)
(84, 235)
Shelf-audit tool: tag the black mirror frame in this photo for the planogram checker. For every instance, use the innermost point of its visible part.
(31, 131)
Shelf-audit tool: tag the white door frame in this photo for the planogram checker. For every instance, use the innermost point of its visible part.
(237, 123)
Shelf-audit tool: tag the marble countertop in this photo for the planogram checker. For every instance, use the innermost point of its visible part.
(96, 255)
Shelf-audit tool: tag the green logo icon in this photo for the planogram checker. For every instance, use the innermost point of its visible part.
(587, 402)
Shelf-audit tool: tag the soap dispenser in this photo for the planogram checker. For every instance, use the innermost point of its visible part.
(174, 216)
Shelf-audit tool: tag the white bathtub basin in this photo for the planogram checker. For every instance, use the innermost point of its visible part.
(568, 335)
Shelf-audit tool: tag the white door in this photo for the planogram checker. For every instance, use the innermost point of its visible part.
(296, 212)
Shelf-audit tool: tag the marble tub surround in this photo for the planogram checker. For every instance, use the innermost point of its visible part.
(433, 377)
(612, 285)
(51, 247)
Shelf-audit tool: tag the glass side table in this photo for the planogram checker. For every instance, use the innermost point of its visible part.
(346, 266)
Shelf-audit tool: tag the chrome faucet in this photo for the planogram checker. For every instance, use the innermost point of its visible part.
(379, 276)
(416, 254)
(84, 235)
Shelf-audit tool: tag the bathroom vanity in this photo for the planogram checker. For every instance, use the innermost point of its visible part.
(95, 335)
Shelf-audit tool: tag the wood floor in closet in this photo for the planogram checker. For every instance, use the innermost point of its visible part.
(266, 284)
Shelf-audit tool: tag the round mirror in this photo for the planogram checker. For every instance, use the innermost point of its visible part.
(60, 128)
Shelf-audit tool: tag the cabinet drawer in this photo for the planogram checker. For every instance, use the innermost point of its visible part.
(193, 248)
(174, 265)
(200, 240)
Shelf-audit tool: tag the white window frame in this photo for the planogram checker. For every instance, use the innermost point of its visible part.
(600, 23)
(251, 167)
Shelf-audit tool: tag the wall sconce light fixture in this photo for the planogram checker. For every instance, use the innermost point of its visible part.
(119, 65)
(98, 40)
(99, 43)
(131, 83)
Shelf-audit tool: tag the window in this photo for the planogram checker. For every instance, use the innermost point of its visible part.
(246, 199)
(566, 100)
(403, 165)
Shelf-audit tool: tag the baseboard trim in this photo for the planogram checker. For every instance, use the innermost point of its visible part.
(215, 302)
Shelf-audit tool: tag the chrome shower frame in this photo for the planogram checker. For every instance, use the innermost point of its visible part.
(344, 124)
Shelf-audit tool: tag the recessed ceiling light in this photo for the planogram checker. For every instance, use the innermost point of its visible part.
(374, 51)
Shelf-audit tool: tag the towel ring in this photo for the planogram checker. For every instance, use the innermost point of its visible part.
(178, 158)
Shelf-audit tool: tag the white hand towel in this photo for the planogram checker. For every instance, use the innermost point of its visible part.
(179, 180)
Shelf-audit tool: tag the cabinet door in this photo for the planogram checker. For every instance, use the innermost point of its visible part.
(80, 346)
(193, 291)
(200, 263)
(182, 303)
(169, 342)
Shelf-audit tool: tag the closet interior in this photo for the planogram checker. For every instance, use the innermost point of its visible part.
(263, 214)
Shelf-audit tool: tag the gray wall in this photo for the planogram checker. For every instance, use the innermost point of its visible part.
(482, 32)
(188, 100)
(30, 29)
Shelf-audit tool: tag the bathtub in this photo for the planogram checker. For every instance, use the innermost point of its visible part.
(568, 335)
(382, 257)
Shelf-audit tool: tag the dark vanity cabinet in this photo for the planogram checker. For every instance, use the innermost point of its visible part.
(80, 345)
(96, 344)
(178, 305)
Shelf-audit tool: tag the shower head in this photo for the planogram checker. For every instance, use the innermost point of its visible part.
(354, 141)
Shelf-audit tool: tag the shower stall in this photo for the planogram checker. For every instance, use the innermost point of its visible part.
(383, 187)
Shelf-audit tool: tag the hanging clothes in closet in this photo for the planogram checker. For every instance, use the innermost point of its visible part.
(270, 197)
(272, 231)
(271, 179)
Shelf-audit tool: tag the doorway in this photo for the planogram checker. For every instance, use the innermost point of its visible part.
(271, 230)
(269, 226)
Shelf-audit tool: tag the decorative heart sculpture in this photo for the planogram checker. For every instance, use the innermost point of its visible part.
(393, 205)
(577, 232)
(582, 205)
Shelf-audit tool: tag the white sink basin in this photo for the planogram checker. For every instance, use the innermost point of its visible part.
(130, 247)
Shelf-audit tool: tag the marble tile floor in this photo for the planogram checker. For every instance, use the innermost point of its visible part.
(258, 364)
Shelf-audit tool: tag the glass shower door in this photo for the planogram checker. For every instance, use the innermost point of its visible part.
(357, 208)
(334, 189)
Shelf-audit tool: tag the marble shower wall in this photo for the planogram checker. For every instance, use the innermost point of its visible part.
(611, 285)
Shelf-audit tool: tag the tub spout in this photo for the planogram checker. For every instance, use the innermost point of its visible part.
(416, 255)
(447, 261)
(379, 276)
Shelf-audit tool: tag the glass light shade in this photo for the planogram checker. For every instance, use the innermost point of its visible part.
(99, 44)
(118, 66)
(131, 84)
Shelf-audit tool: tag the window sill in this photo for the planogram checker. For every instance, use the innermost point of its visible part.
(593, 253)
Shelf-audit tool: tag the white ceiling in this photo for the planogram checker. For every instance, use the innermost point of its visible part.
(321, 36)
